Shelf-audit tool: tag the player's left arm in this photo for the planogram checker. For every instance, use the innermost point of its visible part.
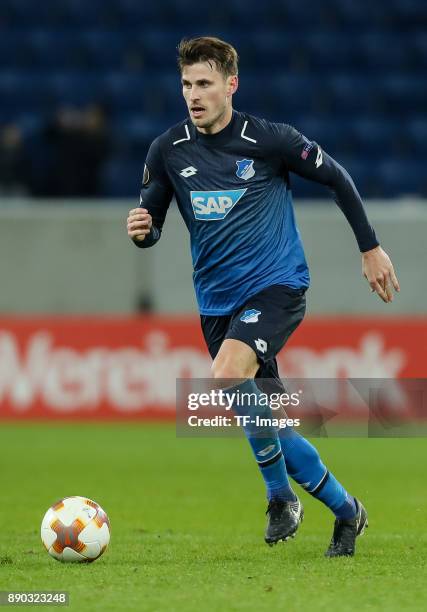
(308, 160)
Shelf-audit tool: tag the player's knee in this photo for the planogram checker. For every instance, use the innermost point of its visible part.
(229, 370)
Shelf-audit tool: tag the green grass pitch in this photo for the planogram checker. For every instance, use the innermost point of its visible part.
(187, 518)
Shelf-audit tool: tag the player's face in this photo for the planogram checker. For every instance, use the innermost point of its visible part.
(208, 94)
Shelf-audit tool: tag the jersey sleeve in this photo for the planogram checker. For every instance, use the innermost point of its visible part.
(156, 193)
(307, 159)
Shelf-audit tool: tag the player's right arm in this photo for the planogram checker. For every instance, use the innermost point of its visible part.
(144, 224)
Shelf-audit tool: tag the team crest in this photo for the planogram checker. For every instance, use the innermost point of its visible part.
(250, 316)
(245, 169)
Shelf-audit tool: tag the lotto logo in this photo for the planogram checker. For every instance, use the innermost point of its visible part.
(261, 345)
(319, 157)
(214, 205)
(188, 171)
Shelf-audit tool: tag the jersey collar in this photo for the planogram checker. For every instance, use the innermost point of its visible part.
(219, 138)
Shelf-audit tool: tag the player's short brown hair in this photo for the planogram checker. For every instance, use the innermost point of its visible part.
(208, 49)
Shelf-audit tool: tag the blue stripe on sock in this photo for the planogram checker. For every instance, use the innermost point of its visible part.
(304, 465)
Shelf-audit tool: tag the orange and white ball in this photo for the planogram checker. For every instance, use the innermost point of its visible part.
(75, 529)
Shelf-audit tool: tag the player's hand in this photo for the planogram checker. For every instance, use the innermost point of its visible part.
(139, 223)
(379, 272)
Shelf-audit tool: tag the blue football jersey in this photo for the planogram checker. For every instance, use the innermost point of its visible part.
(233, 191)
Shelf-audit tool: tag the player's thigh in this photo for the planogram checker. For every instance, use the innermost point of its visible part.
(235, 361)
(266, 321)
(232, 359)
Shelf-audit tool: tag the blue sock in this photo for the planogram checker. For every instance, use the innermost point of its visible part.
(265, 443)
(303, 463)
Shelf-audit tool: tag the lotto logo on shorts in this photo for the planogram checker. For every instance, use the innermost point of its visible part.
(261, 345)
(214, 205)
(250, 316)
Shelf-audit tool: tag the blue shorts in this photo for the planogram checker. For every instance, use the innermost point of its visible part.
(264, 322)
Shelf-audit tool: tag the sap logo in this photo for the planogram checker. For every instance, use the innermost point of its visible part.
(214, 205)
(245, 169)
(250, 316)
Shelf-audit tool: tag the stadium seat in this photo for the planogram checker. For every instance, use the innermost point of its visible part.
(122, 178)
(378, 50)
(57, 50)
(355, 93)
(134, 134)
(409, 12)
(353, 14)
(419, 49)
(103, 49)
(77, 89)
(322, 47)
(372, 135)
(408, 92)
(15, 50)
(417, 132)
(401, 177)
(17, 88)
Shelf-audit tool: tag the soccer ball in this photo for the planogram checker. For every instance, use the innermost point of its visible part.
(75, 529)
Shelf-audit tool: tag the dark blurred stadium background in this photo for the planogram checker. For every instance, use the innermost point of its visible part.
(87, 85)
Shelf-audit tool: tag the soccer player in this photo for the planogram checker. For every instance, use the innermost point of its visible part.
(229, 172)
